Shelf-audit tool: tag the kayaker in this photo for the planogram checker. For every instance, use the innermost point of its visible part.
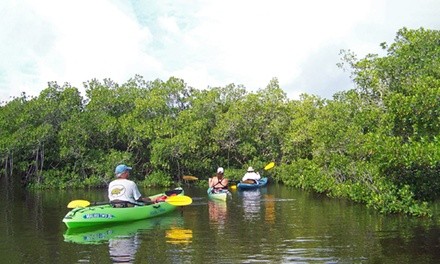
(218, 182)
(251, 175)
(123, 192)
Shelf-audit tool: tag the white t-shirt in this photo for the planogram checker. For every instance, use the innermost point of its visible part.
(251, 176)
(124, 190)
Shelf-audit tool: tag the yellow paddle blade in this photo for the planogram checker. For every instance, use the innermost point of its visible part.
(190, 178)
(269, 166)
(78, 203)
(179, 200)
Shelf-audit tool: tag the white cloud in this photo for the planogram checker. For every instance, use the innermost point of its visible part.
(254, 41)
(95, 40)
(206, 43)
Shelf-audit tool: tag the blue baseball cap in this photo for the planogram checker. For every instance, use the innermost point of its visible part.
(121, 168)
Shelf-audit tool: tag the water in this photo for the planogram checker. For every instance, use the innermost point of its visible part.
(274, 224)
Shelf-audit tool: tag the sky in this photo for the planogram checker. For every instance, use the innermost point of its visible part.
(207, 43)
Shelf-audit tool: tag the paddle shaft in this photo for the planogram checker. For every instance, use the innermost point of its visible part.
(177, 200)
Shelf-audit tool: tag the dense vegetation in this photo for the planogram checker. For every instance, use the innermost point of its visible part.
(377, 144)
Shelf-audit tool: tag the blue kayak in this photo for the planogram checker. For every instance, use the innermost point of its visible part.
(247, 186)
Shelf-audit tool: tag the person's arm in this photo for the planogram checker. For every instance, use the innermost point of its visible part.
(138, 197)
(245, 177)
(210, 182)
(225, 182)
(146, 200)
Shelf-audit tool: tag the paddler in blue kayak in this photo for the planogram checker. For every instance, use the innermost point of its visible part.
(251, 175)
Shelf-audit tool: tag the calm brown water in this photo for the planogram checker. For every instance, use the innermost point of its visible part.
(275, 224)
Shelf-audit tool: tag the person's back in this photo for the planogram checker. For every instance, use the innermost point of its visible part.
(251, 175)
(123, 191)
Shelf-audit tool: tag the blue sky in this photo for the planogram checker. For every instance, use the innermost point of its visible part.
(207, 43)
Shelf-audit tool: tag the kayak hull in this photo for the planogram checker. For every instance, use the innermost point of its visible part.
(221, 195)
(103, 233)
(107, 214)
(249, 186)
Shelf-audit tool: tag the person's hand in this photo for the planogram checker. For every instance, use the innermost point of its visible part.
(145, 200)
(160, 199)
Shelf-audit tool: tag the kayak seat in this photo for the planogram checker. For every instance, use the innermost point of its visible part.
(162, 198)
(250, 181)
(217, 190)
(173, 192)
(121, 204)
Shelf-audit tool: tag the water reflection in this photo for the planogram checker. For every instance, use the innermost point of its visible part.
(124, 239)
(123, 249)
(252, 203)
(307, 228)
(102, 234)
(217, 213)
(269, 202)
(179, 236)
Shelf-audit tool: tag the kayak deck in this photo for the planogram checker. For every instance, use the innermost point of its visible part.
(218, 195)
(246, 186)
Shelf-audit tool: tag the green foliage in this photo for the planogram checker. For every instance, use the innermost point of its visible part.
(394, 200)
(101, 166)
(404, 85)
(59, 179)
(377, 144)
(157, 178)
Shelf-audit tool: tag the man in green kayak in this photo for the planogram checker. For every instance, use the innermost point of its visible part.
(123, 192)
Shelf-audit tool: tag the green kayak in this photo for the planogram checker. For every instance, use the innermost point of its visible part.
(221, 195)
(106, 213)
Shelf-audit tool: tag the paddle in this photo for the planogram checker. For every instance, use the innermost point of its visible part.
(78, 203)
(269, 166)
(177, 200)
